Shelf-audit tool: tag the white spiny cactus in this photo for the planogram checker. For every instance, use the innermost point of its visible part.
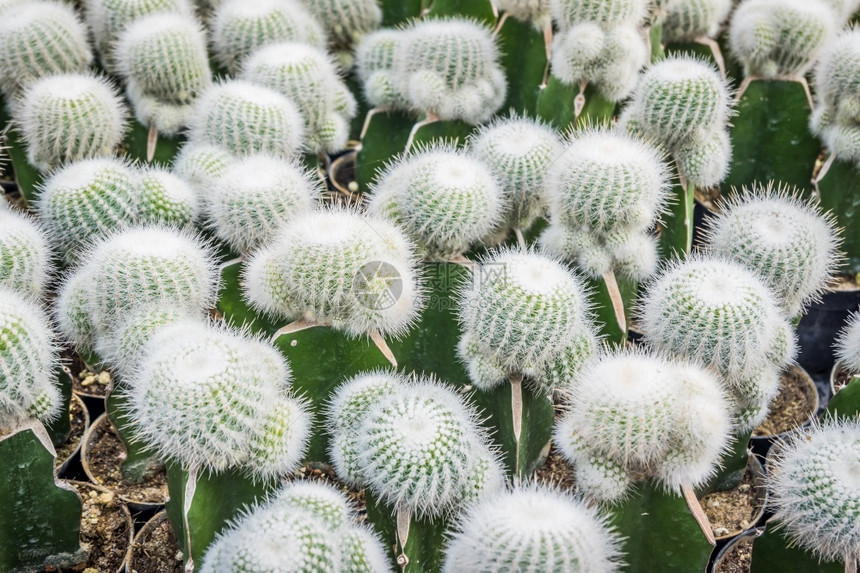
(704, 159)
(688, 20)
(310, 80)
(346, 21)
(67, 117)
(848, 344)
(519, 308)
(374, 63)
(240, 28)
(606, 13)
(717, 312)
(88, 199)
(836, 119)
(338, 267)
(518, 152)
(244, 118)
(443, 198)
(39, 39)
(450, 68)
(814, 483)
(164, 62)
(844, 9)
(780, 37)
(532, 528)
(788, 241)
(25, 257)
(213, 399)
(200, 164)
(647, 416)
(255, 196)
(28, 359)
(72, 310)
(536, 11)
(166, 199)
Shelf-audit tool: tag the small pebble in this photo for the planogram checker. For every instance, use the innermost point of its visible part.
(720, 531)
(744, 487)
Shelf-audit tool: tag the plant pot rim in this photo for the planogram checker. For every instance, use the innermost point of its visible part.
(65, 463)
(761, 496)
(751, 533)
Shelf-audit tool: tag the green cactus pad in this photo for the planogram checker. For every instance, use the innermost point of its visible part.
(840, 194)
(773, 553)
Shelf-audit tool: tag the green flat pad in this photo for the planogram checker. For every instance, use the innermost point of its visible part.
(442, 131)
(396, 11)
(676, 234)
(846, 403)
(385, 138)
(61, 428)
(605, 312)
(555, 105)
(480, 10)
(524, 61)
(771, 553)
(234, 308)
(840, 194)
(166, 148)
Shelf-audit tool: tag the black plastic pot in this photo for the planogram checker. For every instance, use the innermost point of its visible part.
(818, 328)
(719, 560)
(761, 444)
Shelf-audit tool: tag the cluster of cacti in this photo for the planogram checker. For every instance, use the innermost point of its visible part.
(599, 43)
(836, 119)
(304, 526)
(687, 20)
(605, 191)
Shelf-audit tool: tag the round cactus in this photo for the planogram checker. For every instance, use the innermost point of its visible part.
(374, 63)
(240, 29)
(780, 37)
(688, 20)
(39, 39)
(68, 117)
(606, 181)
(704, 159)
(166, 199)
(207, 398)
(200, 164)
(346, 21)
(72, 310)
(844, 9)
(444, 199)
(87, 199)
(451, 68)
(532, 528)
(244, 118)
(647, 416)
(788, 241)
(310, 80)
(520, 308)
(164, 62)
(606, 13)
(837, 115)
(255, 196)
(108, 19)
(536, 11)
(28, 359)
(678, 98)
(814, 490)
(518, 152)
(848, 344)
(717, 312)
(25, 258)
(341, 268)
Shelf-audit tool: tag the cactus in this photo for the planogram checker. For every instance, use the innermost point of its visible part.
(813, 490)
(375, 60)
(25, 258)
(28, 358)
(67, 117)
(166, 199)
(239, 29)
(310, 80)
(607, 14)
(40, 39)
(705, 159)
(88, 199)
(199, 164)
(244, 118)
(304, 526)
(528, 10)
(848, 344)
(779, 38)
(346, 22)
(786, 240)
(249, 202)
(445, 200)
(108, 19)
(337, 267)
(163, 60)
(532, 528)
(689, 20)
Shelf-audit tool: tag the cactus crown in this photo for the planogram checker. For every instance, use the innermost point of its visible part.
(255, 196)
(606, 13)
(240, 29)
(814, 482)
(783, 238)
(68, 117)
(244, 118)
(28, 359)
(780, 37)
(338, 267)
(451, 68)
(305, 526)
(214, 399)
(166, 199)
(25, 258)
(346, 21)
(691, 19)
(635, 415)
(848, 344)
(518, 151)
(40, 39)
(532, 528)
(413, 441)
(308, 77)
(443, 198)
